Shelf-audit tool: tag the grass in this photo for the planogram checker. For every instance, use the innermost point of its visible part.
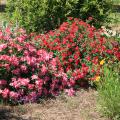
(109, 93)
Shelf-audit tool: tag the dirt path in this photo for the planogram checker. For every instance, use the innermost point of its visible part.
(80, 107)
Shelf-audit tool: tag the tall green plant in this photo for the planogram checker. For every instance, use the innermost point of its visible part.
(98, 9)
(109, 93)
(42, 15)
(27, 13)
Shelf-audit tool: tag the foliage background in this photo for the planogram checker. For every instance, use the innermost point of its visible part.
(39, 15)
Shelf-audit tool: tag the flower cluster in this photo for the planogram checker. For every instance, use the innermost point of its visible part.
(81, 48)
(26, 72)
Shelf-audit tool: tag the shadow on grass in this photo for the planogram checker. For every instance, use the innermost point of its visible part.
(7, 114)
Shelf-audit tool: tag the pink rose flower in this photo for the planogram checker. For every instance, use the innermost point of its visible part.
(23, 67)
(24, 81)
(2, 46)
(43, 69)
(34, 77)
(5, 93)
(70, 92)
(13, 95)
(31, 86)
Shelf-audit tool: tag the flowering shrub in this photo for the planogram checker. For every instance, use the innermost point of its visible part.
(81, 49)
(26, 72)
(32, 66)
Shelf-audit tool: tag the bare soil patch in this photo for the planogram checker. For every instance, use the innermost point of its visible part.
(83, 106)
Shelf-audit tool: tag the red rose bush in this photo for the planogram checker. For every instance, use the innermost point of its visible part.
(80, 48)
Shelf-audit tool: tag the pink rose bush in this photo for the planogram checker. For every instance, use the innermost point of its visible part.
(27, 72)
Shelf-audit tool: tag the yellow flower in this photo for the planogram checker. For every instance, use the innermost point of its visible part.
(102, 62)
(97, 79)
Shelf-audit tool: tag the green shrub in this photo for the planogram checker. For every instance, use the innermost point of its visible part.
(98, 9)
(28, 14)
(109, 93)
(39, 15)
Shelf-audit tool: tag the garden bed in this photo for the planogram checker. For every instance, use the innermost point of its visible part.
(57, 65)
